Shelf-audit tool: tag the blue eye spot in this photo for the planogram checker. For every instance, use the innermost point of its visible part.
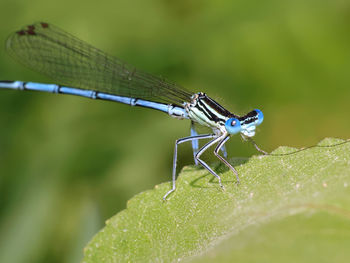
(260, 117)
(233, 126)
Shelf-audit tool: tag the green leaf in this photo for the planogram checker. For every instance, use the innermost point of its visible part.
(291, 206)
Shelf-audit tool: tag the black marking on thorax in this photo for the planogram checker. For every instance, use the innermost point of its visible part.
(211, 109)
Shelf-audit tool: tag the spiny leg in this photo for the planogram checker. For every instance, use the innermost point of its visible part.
(195, 145)
(177, 142)
(202, 150)
(216, 152)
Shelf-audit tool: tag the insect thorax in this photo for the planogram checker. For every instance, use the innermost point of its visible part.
(207, 112)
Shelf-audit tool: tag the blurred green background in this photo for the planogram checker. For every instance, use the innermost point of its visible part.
(67, 164)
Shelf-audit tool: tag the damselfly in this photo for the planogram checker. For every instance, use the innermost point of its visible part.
(84, 70)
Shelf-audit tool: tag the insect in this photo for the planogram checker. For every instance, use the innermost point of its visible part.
(84, 70)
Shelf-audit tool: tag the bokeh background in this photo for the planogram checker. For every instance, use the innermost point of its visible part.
(67, 164)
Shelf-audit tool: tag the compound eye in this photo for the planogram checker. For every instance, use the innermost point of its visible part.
(260, 116)
(233, 126)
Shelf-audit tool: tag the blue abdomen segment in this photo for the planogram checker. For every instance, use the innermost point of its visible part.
(172, 110)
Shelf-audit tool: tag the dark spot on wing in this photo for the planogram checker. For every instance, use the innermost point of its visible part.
(44, 25)
(21, 32)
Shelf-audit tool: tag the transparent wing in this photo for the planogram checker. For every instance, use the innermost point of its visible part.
(72, 62)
